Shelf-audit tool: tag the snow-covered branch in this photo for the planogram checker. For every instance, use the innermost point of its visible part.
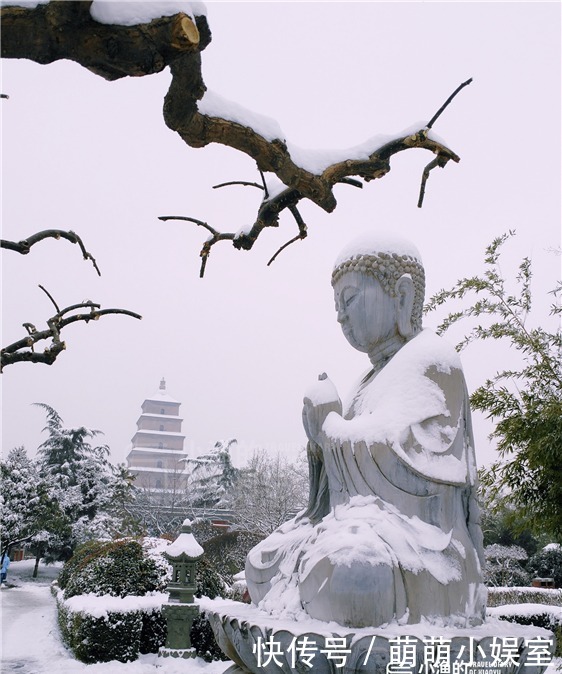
(66, 30)
(117, 47)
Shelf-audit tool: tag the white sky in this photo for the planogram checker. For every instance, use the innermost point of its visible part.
(239, 347)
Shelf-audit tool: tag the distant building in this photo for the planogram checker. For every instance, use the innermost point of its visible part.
(157, 453)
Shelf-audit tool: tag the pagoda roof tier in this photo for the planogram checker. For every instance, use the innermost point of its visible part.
(144, 431)
(157, 450)
(161, 397)
(160, 416)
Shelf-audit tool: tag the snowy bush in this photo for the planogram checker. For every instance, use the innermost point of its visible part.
(227, 552)
(116, 568)
(103, 571)
(153, 632)
(203, 640)
(539, 615)
(503, 566)
(115, 636)
(208, 582)
(547, 564)
(499, 596)
(104, 628)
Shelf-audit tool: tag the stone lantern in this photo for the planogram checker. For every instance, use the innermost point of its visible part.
(180, 611)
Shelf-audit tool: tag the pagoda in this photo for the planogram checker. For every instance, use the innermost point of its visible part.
(157, 456)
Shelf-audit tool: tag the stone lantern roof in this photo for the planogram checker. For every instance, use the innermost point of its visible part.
(185, 547)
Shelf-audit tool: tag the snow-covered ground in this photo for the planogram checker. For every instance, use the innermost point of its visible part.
(31, 642)
(30, 636)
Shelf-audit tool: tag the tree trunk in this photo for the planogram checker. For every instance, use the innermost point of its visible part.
(37, 560)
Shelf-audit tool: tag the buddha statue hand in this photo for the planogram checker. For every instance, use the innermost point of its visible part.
(320, 399)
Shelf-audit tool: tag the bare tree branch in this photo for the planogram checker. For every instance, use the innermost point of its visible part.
(65, 29)
(239, 182)
(215, 237)
(23, 247)
(301, 235)
(50, 297)
(447, 102)
(23, 350)
(438, 161)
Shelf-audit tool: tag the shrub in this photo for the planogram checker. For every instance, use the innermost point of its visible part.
(120, 569)
(548, 617)
(115, 636)
(203, 640)
(116, 568)
(547, 564)
(503, 566)
(153, 633)
(227, 552)
(81, 554)
(500, 596)
(208, 582)
(113, 569)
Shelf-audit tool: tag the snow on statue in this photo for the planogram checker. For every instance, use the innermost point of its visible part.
(391, 530)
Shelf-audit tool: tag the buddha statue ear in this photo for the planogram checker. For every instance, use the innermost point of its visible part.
(404, 289)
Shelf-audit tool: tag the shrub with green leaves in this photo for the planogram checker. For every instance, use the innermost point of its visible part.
(547, 564)
(208, 582)
(227, 552)
(116, 636)
(117, 568)
(525, 403)
(500, 596)
(203, 640)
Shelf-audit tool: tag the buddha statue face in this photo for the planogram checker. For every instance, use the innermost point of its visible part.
(368, 314)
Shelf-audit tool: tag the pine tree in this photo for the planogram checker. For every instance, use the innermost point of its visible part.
(30, 509)
(213, 476)
(85, 486)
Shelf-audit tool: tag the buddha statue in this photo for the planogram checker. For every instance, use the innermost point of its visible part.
(391, 531)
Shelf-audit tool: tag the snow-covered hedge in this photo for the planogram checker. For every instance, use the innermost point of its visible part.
(549, 617)
(499, 596)
(104, 628)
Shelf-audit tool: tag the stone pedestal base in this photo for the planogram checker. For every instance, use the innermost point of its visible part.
(260, 644)
(179, 619)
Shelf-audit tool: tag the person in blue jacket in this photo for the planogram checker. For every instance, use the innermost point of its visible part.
(5, 565)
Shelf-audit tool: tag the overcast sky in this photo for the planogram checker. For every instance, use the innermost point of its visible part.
(239, 347)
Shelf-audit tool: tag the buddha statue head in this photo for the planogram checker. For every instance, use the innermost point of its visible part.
(379, 284)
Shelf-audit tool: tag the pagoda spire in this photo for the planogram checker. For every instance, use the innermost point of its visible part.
(162, 384)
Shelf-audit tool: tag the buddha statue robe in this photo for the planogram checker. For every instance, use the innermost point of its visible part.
(391, 530)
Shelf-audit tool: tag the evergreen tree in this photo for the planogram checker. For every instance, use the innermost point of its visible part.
(525, 403)
(86, 487)
(18, 497)
(213, 476)
(30, 509)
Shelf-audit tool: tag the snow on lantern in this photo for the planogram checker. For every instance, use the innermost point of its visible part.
(180, 611)
(183, 555)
